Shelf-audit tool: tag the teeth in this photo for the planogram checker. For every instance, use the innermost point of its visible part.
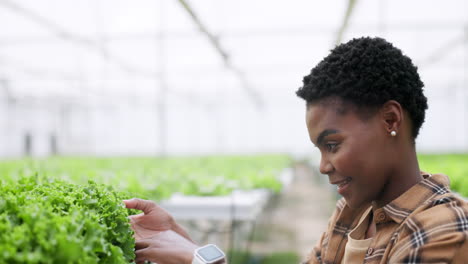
(343, 183)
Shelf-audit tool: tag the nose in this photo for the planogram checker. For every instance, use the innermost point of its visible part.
(325, 166)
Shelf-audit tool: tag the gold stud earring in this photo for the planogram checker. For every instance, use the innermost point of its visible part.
(393, 133)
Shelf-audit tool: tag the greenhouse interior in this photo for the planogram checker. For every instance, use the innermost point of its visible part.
(191, 106)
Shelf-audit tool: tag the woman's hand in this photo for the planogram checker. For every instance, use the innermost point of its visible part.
(167, 247)
(152, 221)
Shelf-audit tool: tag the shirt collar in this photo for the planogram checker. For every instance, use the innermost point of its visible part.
(400, 208)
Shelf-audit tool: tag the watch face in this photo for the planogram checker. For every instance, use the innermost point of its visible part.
(210, 253)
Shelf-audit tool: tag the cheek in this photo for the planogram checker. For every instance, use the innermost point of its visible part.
(349, 159)
(356, 160)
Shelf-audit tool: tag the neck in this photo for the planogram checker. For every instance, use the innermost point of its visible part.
(401, 179)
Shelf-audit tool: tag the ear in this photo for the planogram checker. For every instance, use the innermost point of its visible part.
(392, 116)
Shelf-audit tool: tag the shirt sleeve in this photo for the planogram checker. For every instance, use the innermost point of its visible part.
(462, 255)
(450, 247)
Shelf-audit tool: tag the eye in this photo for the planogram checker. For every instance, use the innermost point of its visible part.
(331, 146)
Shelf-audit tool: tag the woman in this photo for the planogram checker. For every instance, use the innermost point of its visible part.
(365, 107)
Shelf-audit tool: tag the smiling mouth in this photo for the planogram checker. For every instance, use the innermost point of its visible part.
(341, 185)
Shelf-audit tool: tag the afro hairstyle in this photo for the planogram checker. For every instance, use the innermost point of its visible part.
(367, 72)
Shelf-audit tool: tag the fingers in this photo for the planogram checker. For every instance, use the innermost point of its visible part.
(145, 251)
(141, 244)
(134, 218)
(144, 254)
(140, 204)
(164, 247)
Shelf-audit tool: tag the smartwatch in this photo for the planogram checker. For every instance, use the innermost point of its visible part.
(209, 254)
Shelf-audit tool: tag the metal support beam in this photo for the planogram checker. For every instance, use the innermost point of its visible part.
(344, 25)
(256, 98)
(66, 35)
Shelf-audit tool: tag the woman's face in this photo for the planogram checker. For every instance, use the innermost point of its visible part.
(354, 151)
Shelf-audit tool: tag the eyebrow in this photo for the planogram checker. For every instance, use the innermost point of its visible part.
(325, 133)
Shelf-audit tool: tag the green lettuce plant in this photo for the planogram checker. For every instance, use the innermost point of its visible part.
(52, 221)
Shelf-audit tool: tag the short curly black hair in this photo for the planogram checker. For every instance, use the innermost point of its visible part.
(368, 72)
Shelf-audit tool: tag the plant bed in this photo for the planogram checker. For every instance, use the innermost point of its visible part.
(243, 205)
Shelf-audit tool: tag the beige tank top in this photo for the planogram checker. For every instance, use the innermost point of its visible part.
(357, 245)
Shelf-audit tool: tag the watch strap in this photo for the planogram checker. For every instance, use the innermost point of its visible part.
(196, 260)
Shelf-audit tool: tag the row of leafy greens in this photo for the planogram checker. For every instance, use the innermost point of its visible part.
(455, 166)
(159, 178)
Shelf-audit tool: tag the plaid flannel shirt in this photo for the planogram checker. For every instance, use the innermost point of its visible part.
(426, 224)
